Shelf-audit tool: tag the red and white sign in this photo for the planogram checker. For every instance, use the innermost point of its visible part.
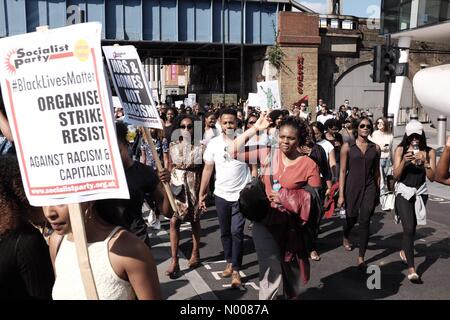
(56, 99)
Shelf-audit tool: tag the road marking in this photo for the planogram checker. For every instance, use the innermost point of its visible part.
(218, 274)
(251, 284)
(207, 267)
(195, 280)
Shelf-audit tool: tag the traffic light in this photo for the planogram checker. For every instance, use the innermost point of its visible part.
(379, 53)
(385, 60)
(391, 57)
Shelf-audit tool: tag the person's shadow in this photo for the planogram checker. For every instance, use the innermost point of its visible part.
(354, 284)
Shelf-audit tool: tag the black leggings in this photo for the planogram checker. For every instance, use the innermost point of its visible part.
(405, 209)
(365, 214)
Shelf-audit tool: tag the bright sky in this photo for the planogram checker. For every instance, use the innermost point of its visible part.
(359, 8)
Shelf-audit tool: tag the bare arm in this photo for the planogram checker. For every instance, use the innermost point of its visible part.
(430, 167)
(342, 173)
(133, 255)
(332, 162)
(400, 162)
(5, 128)
(206, 176)
(377, 168)
(442, 174)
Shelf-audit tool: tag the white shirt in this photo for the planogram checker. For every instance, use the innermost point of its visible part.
(231, 175)
(321, 118)
(382, 139)
(326, 145)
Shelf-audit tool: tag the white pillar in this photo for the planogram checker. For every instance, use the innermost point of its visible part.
(395, 95)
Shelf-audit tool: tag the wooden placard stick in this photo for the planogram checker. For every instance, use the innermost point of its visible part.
(79, 236)
(159, 166)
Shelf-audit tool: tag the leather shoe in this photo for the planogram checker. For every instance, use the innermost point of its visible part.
(235, 280)
(228, 271)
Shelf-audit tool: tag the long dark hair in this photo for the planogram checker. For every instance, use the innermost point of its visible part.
(358, 122)
(406, 141)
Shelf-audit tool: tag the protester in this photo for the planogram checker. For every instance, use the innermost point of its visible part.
(7, 144)
(414, 162)
(324, 114)
(122, 265)
(442, 169)
(231, 178)
(25, 265)
(273, 236)
(171, 114)
(384, 139)
(359, 185)
(141, 180)
(347, 130)
(186, 160)
(319, 133)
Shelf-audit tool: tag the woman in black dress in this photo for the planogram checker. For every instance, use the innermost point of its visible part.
(359, 185)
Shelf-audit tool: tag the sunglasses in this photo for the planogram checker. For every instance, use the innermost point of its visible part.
(414, 136)
(380, 122)
(189, 126)
(368, 126)
(251, 122)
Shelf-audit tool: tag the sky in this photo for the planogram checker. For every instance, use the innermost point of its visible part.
(359, 8)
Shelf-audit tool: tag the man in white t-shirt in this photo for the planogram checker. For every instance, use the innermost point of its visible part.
(231, 177)
(324, 114)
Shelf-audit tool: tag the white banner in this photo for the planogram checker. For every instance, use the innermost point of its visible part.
(269, 95)
(254, 100)
(58, 108)
(131, 86)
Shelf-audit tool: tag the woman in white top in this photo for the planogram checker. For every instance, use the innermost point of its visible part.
(122, 265)
(384, 139)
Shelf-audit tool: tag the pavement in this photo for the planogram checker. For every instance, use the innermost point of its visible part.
(335, 276)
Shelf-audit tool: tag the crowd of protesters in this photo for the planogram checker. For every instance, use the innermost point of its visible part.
(305, 162)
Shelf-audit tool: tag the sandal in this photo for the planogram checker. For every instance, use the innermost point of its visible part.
(194, 262)
(314, 256)
(403, 257)
(174, 270)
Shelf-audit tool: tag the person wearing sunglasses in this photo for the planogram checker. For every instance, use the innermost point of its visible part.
(383, 137)
(359, 185)
(414, 161)
(186, 169)
(231, 177)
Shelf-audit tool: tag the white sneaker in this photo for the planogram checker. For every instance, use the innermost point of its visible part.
(152, 217)
(156, 225)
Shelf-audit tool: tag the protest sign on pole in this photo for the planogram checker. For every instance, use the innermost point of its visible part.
(131, 86)
(254, 100)
(134, 93)
(269, 95)
(54, 80)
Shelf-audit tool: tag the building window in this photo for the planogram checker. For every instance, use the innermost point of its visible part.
(335, 23)
(323, 22)
(347, 25)
(405, 15)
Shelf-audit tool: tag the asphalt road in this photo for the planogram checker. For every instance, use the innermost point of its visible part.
(336, 275)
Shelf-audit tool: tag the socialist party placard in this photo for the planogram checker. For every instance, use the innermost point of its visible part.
(58, 108)
(132, 86)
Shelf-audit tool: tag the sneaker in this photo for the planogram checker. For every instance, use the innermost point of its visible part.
(228, 271)
(413, 277)
(156, 225)
(151, 218)
(235, 280)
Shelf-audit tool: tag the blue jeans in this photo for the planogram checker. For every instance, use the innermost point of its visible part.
(385, 165)
(231, 222)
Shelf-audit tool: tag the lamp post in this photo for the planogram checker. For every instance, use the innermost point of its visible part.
(242, 50)
(223, 50)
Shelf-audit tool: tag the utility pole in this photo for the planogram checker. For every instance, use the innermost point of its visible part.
(386, 82)
(242, 50)
(223, 50)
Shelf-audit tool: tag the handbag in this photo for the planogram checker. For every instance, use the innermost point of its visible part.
(177, 182)
(253, 201)
(387, 201)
